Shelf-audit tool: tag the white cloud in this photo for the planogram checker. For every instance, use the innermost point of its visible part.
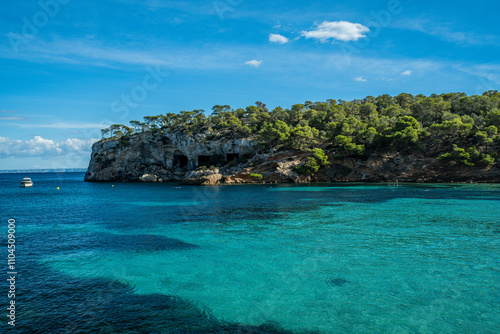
(40, 147)
(407, 72)
(277, 38)
(338, 30)
(360, 79)
(254, 63)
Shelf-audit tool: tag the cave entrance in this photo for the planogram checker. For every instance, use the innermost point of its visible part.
(180, 160)
(203, 160)
(232, 157)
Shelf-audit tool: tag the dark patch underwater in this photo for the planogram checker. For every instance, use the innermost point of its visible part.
(51, 302)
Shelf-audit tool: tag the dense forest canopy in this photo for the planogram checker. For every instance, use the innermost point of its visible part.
(457, 127)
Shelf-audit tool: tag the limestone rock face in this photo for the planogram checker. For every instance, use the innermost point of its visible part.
(157, 157)
(284, 171)
(149, 178)
(168, 156)
(204, 178)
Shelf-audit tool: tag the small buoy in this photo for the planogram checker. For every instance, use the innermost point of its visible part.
(57, 188)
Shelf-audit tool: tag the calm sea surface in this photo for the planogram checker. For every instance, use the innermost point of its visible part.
(329, 258)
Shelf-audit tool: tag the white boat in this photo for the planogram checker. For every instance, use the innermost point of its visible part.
(26, 182)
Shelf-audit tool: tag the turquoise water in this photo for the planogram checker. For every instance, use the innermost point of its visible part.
(330, 258)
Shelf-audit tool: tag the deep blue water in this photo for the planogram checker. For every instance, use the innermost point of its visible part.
(328, 258)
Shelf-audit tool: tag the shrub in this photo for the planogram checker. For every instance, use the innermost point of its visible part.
(321, 157)
(488, 160)
(309, 168)
(348, 148)
(468, 157)
(459, 155)
(124, 141)
(256, 176)
(313, 164)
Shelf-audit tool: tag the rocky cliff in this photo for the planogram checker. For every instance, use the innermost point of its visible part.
(157, 157)
(150, 156)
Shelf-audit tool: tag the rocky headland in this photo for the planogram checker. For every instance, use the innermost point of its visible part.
(170, 157)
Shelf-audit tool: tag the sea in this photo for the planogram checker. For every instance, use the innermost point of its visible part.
(248, 259)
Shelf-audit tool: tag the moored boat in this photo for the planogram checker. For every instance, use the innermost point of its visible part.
(26, 182)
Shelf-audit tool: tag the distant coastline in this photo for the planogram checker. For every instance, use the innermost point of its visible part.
(43, 170)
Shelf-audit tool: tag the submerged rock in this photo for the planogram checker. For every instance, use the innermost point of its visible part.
(337, 281)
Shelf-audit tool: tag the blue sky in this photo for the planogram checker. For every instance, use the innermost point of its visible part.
(71, 67)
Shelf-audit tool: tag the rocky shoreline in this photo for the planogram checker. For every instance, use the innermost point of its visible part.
(386, 168)
(149, 157)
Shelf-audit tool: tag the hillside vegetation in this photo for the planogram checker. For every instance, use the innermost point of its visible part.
(453, 127)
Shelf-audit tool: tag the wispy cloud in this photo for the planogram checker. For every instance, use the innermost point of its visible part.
(407, 72)
(62, 125)
(40, 147)
(94, 53)
(489, 72)
(254, 63)
(361, 79)
(446, 33)
(338, 30)
(182, 6)
(277, 38)
(13, 118)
